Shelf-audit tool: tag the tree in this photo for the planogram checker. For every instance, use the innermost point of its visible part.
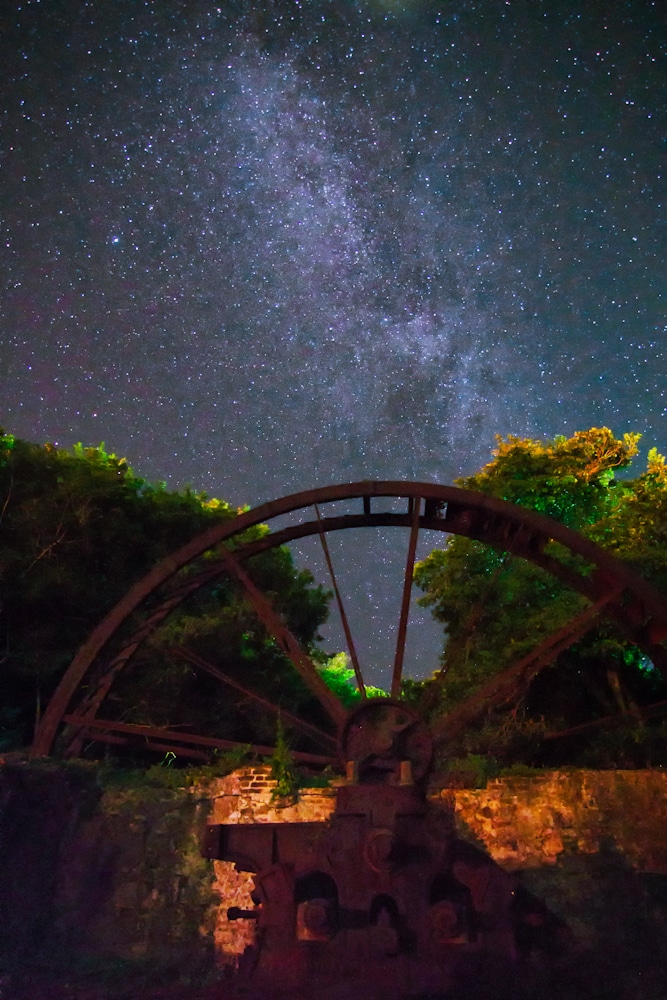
(77, 528)
(496, 608)
(340, 677)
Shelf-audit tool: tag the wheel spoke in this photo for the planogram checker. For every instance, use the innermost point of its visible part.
(209, 668)
(642, 611)
(275, 627)
(341, 609)
(505, 686)
(415, 504)
(155, 732)
(637, 715)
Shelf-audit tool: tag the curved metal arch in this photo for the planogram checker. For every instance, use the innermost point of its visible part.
(608, 580)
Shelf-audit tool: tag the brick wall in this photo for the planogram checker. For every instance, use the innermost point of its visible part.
(119, 872)
(247, 796)
(522, 823)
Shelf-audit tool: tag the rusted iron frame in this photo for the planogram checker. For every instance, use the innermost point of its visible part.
(630, 610)
(414, 511)
(123, 741)
(156, 732)
(502, 687)
(305, 727)
(657, 708)
(522, 542)
(92, 701)
(97, 693)
(93, 698)
(516, 544)
(591, 586)
(444, 504)
(641, 611)
(285, 640)
(341, 608)
(548, 563)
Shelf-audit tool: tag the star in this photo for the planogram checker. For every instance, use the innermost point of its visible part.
(261, 253)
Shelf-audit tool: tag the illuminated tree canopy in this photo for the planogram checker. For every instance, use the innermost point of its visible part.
(496, 608)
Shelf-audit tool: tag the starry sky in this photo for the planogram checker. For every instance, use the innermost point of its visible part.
(259, 247)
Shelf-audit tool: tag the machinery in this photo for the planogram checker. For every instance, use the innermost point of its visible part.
(381, 901)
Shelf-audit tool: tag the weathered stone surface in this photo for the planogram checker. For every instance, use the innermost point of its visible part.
(248, 796)
(118, 872)
(92, 872)
(231, 937)
(531, 822)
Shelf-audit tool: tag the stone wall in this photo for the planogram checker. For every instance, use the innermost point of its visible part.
(101, 872)
(532, 822)
(97, 870)
(248, 796)
(522, 823)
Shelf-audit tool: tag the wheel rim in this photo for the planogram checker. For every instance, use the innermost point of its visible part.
(610, 585)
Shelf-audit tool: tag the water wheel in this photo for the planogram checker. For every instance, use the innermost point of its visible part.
(76, 713)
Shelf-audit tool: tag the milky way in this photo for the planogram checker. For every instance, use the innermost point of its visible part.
(258, 249)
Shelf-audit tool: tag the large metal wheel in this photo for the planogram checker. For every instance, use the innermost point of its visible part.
(610, 587)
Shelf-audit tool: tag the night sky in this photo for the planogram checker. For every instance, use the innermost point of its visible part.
(262, 247)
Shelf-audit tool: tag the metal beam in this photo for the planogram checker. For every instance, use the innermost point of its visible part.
(499, 689)
(201, 664)
(341, 610)
(277, 628)
(415, 508)
(447, 509)
(155, 732)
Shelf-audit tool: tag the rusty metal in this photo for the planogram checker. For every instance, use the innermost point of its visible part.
(639, 609)
(414, 512)
(383, 736)
(266, 614)
(341, 609)
(635, 717)
(500, 688)
(171, 736)
(383, 899)
(289, 645)
(305, 727)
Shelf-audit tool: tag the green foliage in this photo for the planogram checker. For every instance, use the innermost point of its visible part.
(339, 676)
(283, 770)
(77, 529)
(568, 479)
(224, 762)
(168, 776)
(518, 771)
(471, 771)
(319, 779)
(496, 608)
